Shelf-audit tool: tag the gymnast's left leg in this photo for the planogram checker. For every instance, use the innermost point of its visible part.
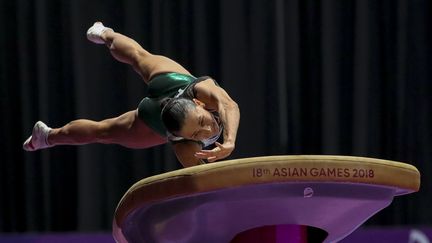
(126, 50)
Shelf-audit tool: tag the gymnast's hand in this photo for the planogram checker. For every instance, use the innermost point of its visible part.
(221, 151)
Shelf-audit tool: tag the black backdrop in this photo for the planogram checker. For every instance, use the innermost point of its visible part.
(311, 77)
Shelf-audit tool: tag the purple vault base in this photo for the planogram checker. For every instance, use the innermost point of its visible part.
(218, 216)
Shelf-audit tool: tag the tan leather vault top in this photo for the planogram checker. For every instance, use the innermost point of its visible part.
(404, 178)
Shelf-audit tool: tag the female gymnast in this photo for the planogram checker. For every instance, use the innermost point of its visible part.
(191, 113)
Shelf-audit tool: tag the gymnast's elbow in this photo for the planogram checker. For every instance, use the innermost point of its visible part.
(235, 106)
(232, 106)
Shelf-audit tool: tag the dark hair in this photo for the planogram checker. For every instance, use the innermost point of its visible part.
(174, 112)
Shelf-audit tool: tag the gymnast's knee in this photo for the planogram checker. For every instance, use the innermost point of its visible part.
(115, 130)
(106, 132)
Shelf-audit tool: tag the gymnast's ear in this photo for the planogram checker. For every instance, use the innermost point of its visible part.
(199, 102)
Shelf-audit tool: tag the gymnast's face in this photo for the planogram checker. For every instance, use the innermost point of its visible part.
(199, 123)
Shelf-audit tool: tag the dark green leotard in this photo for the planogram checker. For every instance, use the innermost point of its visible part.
(169, 85)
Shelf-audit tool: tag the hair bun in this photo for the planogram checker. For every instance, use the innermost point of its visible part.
(165, 102)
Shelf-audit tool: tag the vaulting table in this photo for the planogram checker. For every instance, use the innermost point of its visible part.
(221, 201)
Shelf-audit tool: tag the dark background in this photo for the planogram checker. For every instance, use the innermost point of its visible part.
(311, 77)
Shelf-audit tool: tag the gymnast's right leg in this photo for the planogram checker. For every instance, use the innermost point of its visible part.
(127, 50)
(126, 130)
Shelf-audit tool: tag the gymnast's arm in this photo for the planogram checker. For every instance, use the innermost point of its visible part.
(185, 152)
(214, 97)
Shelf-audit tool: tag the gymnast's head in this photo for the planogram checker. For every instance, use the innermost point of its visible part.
(188, 118)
